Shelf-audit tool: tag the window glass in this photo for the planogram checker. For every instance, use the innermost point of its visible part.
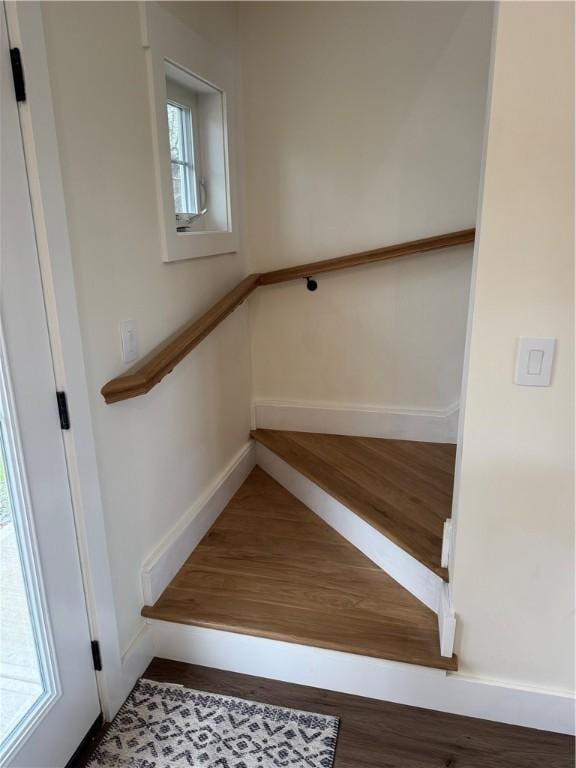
(182, 158)
(175, 125)
(21, 675)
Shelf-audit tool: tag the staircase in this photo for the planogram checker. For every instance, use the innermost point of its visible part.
(333, 542)
(315, 558)
(402, 489)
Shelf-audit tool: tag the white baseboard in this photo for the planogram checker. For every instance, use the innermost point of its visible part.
(364, 676)
(446, 622)
(136, 658)
(446, 556)
(434, 425)
(172, 552)
(423, 583)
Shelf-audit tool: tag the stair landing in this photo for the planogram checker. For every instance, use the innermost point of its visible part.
(270, 567)
(401, 488)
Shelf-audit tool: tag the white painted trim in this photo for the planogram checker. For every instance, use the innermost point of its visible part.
(169, 556)
(48, 204)
(137, 657)
(446, 543)
(405, 569)
(446, 622)
(424, 425)
(364, 676)
(472, 298)
(165, 38)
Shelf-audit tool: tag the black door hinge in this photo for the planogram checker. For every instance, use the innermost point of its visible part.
(96, 657)
(63, 410)
(18, 74)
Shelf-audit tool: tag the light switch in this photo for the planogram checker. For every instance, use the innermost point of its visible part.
(129, 340)
(534, 362)
(535, 359)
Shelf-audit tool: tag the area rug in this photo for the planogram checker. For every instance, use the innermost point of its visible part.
(168, 726)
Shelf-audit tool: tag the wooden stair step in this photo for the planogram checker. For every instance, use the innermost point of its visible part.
(270, 567)
(401, 488)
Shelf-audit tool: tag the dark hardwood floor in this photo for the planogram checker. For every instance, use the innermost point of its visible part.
(401, 488)
(377, 734)
(270, 567)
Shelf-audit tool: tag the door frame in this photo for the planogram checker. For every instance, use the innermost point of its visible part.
(26, 31)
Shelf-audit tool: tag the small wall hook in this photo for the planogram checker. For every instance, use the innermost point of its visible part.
(311, 284)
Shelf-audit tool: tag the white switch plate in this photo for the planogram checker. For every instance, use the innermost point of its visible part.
(534, 361)
(129, 340)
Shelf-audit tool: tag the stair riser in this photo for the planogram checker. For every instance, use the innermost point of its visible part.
(362, 676)
(436, 426)
(420, 581)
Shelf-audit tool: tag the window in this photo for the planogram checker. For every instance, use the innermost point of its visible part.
(192, 92)
(182, 157)
(197, 158)
(185, 182)
(197, 154)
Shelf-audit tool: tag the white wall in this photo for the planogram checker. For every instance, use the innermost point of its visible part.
(362, 127)
(156, 454)
(216, 22)
(513, 576)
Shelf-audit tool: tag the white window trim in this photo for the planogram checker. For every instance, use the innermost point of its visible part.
(166, 39)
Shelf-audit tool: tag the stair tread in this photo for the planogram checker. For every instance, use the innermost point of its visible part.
(270, 567)
(401, 488)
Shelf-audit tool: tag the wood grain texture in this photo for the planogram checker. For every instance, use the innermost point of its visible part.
(313, 268)
(401, 488)
(270, 567)
(378, 734)
(151, 369)
(161, 360)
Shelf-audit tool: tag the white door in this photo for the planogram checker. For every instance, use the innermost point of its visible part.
(48, 691)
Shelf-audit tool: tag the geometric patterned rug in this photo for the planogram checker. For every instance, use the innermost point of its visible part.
(161, 725)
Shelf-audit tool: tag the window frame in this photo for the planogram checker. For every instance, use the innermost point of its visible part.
(190, 161)
(173, 48)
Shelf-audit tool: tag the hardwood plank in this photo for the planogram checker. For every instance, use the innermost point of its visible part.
(276, 508)
(265, 563)
(415, 473)
(350, 593)
(367, 470)
(281, 591)
(276, 505)
(291, 579)
(379, 734)
(244, 522)
(318, 628)
(427, 244)
(341, 473)
(229, 542)
(415, 459)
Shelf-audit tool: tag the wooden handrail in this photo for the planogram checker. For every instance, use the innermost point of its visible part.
(151, 369)
(369, 257)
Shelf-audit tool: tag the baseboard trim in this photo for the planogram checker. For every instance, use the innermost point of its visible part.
(137, 657)
(364, 676)
(433, 426)
(446, 622)
(402, 567)
(172, 552)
